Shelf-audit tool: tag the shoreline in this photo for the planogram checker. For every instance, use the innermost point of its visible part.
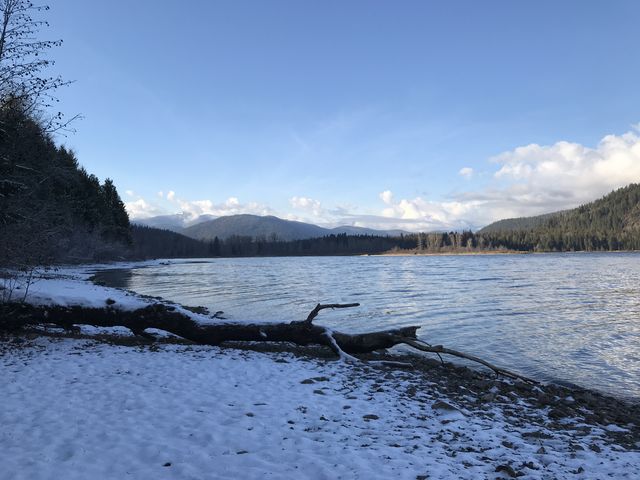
(411, 253)
(90, 275)
(93, 275)
(110, 277)
(440, 419)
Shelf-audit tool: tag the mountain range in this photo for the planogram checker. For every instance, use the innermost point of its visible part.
(255, 226)
(610, 222)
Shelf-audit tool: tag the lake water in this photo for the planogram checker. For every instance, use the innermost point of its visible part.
(568, 318)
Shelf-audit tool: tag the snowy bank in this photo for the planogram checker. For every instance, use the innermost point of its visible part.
(72, 286)
(77, 408)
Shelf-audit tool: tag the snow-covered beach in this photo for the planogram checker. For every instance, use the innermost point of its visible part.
(81, 407)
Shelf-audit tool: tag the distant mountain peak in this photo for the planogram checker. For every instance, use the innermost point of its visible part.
(268, 227)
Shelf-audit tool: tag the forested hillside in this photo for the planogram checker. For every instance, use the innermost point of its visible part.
(610, 223)
(254, 226)
(150, 242)
(520, 223)
(51, 209)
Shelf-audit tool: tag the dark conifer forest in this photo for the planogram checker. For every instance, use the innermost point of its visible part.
(51, 209)
(610, 223)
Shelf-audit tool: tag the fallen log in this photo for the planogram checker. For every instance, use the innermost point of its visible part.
(170, 319)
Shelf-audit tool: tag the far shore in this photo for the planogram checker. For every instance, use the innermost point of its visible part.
(410, 253)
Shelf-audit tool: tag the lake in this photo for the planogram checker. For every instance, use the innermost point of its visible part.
(571, 318)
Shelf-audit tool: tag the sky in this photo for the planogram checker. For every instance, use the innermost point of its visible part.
(420, 115)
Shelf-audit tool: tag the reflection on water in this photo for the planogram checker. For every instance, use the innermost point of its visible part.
(571, 318)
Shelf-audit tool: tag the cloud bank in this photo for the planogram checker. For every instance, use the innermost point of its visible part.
(527, 180)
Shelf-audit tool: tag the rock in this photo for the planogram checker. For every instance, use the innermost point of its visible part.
(308, 381)
(482, 384)
(537, 434)
(168, 464)
(545, 399)
(557, 413)
(595, 448)
(318, 392)
(110, 301)
(411, 391)
(508, 470)
(370, 416)
(199, 310)
(444, 406)
(488, 397)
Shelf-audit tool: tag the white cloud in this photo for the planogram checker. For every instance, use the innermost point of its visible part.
(161, 194)
(565, 174)
(530, 180)
(232, 206)
(420, 214)
(141, 209)
(130, 193)
(314, 207)
(191, 209)
(466, 172)
(387, 197)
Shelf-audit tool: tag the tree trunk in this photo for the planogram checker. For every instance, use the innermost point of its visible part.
(168, 318)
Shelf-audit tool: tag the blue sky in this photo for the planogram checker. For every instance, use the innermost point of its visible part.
(420, 115)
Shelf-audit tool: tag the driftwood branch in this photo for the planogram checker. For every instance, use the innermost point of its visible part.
(314, 313)
(438, 349)
(170, 319)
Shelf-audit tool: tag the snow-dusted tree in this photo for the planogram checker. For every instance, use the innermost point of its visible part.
(25, 76)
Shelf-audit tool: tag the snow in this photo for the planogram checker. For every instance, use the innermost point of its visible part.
(75, 408)
(69, 290)
(79, 409)
(69, 286)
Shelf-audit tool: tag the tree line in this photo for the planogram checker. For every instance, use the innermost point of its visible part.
(608, 224)
(151, 242)
(51, 209)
